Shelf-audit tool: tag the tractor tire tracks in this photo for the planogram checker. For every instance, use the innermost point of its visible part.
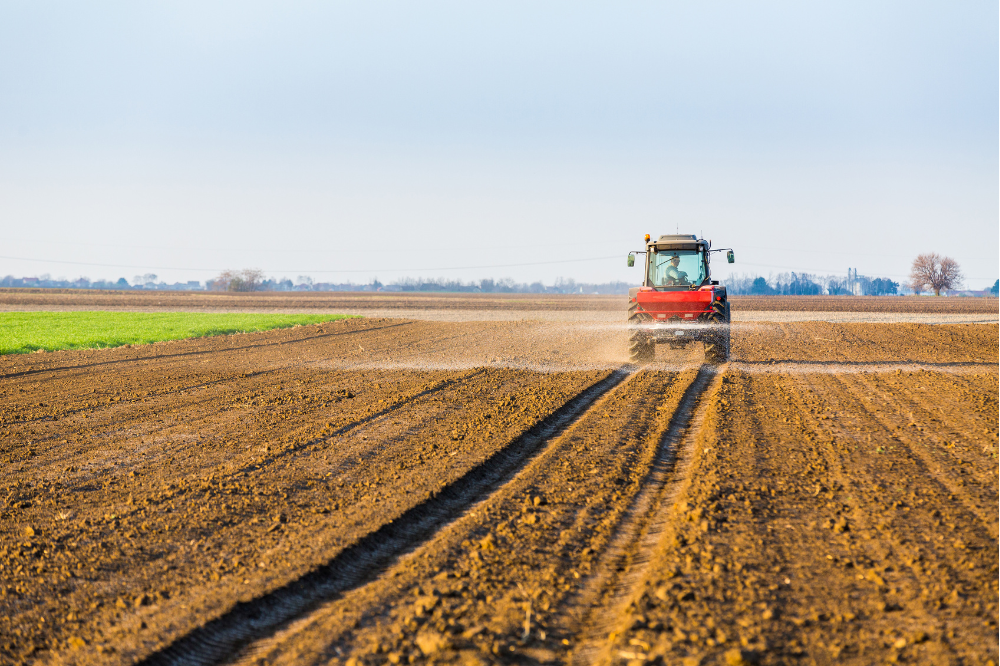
(371, 554)
(623, 565)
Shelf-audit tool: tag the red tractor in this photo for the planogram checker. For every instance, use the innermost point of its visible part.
(678, 302)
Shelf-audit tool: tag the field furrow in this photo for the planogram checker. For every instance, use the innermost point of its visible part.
(166, 505)
(502, 581)
(372, 490)
(809, 532)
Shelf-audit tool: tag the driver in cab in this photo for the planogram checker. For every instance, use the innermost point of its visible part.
(673, 274)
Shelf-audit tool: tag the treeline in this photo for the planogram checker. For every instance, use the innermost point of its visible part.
(251, 280)
(805, 284)
(139, 282)
(254, 280)
(787, 284)
(508, 286)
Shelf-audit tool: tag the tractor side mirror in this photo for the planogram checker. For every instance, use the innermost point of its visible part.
(631, 260)
(730, 257)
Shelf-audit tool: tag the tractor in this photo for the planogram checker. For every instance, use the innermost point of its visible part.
(678, 302)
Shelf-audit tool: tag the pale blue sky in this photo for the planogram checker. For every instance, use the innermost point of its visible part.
(391, 139)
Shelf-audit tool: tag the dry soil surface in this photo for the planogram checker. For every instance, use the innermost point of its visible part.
(372, 491)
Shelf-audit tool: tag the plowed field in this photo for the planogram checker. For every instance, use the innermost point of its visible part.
(371, 491)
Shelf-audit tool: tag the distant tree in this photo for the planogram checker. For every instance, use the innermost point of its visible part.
(934, 271)
(793, 284)
(884, 287)
(995, 289)
(122, 283)
(250, 279)
(760, 287)
(222, 281)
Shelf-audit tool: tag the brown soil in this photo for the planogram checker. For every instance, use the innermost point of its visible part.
(821, 343)
(498, 583)
(83, 299)
(152, 489)
(867, 304)
(830, 518)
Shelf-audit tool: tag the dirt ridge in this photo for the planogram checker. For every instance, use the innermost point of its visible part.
(833, 500)
(624, 563)
(371, 554)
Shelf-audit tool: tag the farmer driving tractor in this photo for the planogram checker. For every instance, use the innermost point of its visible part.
(673, 274)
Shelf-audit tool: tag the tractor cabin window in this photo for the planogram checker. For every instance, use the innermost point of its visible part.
(676, 268)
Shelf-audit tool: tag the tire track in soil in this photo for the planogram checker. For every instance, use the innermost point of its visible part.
(137, 414)
(61, 545)
(709, 581)
(325, 437)
(227, 515)
(842, 485)
(525, 544)
(605, 595)
(971, 430)
(901, 548)
(86, 407)
(978, 500)
(372, 553)
(197, 414)
(764, 580)
(785, 367)
(857, 343)
(924, 530)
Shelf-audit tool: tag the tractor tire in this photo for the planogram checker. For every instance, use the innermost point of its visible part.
(641, 347)
(717, 346)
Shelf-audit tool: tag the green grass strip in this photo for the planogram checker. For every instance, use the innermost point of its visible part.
(23, 332)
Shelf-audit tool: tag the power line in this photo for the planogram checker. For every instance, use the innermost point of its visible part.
(560, 243)
(303, 271)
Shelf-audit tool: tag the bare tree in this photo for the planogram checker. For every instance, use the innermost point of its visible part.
(223, 282)
(934, 271)
(250, 279)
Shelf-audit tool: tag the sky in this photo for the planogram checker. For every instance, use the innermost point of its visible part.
(350, 141)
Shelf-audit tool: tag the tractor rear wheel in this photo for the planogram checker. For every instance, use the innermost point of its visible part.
(641, 347)
(717, 345)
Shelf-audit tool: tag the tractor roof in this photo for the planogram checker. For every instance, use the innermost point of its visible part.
(680, 242)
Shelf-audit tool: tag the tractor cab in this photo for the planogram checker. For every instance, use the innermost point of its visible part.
(677, 265)
(678, 302)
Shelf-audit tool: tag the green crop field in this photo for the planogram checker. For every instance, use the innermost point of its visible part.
(23, 332)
